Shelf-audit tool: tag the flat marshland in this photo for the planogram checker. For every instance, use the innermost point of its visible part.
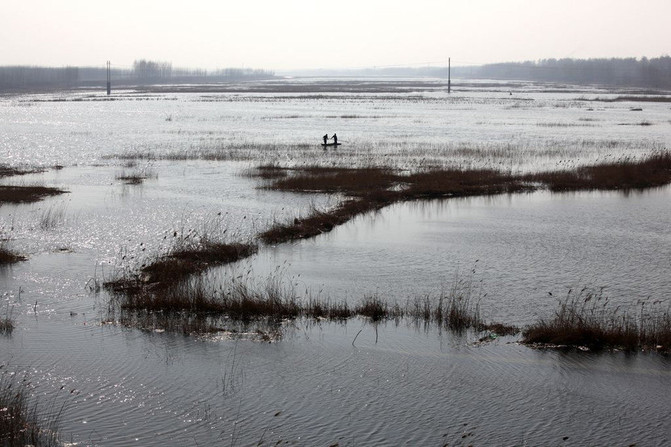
(214, 274)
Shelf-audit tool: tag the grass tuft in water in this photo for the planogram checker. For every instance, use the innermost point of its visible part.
(19, 425)
(9, 257)
(586, 320)
(191, 306)
(181, 262)
(136, 176)
(6, 325)
(8, 171)
(26, 194)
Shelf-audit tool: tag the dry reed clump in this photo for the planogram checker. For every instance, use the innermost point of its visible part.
(318, 222)
(457, 309)
(6, 325)
(625, 174)
(375, 309)
(452, 182)
(328, 310)
(19, 424)
(137, 176)
(184, 260)
(241, 301)
(370, 189)
(26, 194)
(585, 320)
(9, 257)
(191, 306)
(350, 181)
(187, 260)
(53, 216)
(8, 171)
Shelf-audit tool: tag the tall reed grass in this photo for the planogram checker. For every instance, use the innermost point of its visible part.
(53, 216)
(194, 306)
(19, 420)
(586, 319)
(190, 253)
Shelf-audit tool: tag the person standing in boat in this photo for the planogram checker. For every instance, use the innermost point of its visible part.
(335, 139)
(326, 139)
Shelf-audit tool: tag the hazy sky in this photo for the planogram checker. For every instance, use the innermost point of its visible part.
(284, 34)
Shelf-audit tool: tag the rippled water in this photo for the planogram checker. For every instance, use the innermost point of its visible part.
(397, 383)
(523, 251)
(123, 386)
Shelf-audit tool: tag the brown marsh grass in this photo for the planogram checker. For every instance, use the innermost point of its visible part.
(184, 260)
(193, 306)
(351, 181)
(26, 194)
(586, 320)
(624, 174)
(19, 425)
(370, 189)
(9, 257)
(136, 176)
(190, 252)
(8, 171)
(164, 285)
(318, 222)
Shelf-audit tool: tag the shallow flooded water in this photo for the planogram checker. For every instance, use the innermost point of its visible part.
(521, 252)
(314, 387)
(329, 383)
(409, 127)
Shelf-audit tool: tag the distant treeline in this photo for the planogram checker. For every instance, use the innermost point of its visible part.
(143, 72)
(630, 72)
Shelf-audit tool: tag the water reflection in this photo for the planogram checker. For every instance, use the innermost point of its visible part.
(527, 251)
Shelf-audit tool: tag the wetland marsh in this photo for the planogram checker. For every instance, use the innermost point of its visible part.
(135, 177)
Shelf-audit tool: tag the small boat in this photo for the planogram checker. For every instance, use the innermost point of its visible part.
(330, 144)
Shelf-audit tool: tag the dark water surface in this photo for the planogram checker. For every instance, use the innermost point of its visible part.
(522, 247)
(125, 387)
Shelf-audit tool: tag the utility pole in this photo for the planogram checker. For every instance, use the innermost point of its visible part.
(109, 78)
(449, 80)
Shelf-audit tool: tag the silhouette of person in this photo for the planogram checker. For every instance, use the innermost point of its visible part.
(335, 139)
(326, 138)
